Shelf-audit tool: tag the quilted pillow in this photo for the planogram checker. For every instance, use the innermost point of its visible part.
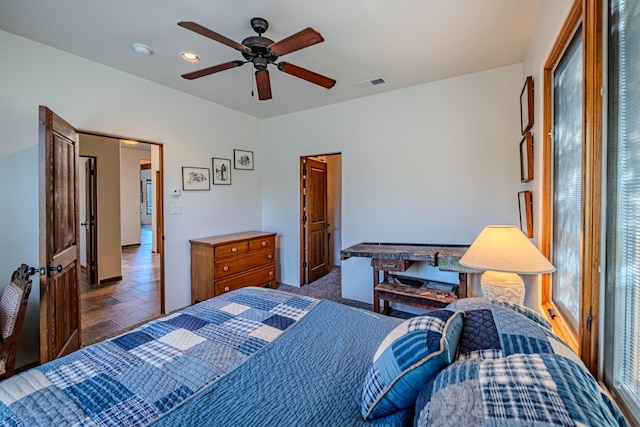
(407, 358)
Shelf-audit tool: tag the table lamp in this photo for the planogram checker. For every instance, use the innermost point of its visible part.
(504, 252)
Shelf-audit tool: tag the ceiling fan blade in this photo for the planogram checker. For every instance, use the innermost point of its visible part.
(307, 75)
(197, 28)
(297, 41)
(211, 70)
(264, 85)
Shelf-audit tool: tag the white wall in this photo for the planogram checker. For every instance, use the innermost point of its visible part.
(155, 167)
(108, 225)
(94, 97)
(553, 13)
(130, 194)
(432, 163)
(83, 211)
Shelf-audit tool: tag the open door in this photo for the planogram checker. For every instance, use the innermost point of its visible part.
(59, 236)
(91, 209)
(316, 243)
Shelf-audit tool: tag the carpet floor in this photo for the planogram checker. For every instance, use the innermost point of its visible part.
(329, 287)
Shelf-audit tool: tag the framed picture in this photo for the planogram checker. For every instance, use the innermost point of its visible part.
(526, 158)
(526, 105)
(243, 159)
(221, 171)
(525, 208)
(195, 179)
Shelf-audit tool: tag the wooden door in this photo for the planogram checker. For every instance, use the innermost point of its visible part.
(317, 244)
(91, 209)
(59, 237)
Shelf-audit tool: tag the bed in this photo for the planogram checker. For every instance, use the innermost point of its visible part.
(262, 357)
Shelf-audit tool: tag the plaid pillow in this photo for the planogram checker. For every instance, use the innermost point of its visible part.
(407, 358)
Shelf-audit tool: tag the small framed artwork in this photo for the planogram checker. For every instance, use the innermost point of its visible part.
(526, 216)
(243, 159)
(221, 171)
(526, 105)
(526, 158)
(195, 178)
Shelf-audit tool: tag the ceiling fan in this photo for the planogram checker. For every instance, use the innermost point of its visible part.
(261, 52)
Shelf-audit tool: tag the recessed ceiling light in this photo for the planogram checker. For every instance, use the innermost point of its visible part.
(190, 56)
(141, 49)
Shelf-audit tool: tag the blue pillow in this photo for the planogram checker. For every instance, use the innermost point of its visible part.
(407, 358)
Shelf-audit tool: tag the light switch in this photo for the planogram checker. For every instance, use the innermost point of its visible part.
(176, 209)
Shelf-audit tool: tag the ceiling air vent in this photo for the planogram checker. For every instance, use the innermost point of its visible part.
(373, 82)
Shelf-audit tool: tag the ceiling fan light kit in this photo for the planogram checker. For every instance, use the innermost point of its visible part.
(261, 52)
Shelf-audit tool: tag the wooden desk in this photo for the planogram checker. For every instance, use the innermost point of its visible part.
(398, 257)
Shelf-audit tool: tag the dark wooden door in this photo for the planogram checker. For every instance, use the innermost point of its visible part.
(317, 245)
(91, 208)
(59, 237)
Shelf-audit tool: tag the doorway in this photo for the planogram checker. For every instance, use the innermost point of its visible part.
(129, 288)
(320, 215)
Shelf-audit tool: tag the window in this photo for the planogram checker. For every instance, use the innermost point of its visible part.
(567, 181)
(572, 180)
(622, 283)
(149, 197)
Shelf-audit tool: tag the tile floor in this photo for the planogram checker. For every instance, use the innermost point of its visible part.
(115, 306)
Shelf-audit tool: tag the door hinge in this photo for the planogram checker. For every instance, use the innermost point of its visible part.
(304, 218)
(589, 320)
(304, 264)
(304, 172)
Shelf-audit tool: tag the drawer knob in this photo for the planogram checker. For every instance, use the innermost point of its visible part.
(269, 256)
(271, 273)
(264, 243)
(225, 268)
(226, 289)
(234, 250)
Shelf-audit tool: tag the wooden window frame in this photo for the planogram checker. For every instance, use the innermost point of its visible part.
(590, 14)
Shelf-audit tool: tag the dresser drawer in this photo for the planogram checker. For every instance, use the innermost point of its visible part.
(390, 264)
(257, 244)
(234, 265)
(231, 249)
(260, 277)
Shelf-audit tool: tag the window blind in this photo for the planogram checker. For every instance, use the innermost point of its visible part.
(622, 287)
(567, 180)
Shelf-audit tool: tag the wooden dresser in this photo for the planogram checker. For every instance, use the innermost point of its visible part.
(221, 264)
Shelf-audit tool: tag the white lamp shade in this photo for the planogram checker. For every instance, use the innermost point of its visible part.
(505, 248)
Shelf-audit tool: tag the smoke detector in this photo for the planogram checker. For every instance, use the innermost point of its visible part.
(141, 49)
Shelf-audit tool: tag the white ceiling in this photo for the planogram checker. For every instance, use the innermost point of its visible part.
(409, 42)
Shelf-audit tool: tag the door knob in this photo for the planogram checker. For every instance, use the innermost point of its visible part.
(43, 270)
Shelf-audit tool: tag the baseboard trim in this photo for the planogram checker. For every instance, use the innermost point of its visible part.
(110, 279)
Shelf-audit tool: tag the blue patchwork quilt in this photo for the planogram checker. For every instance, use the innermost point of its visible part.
(137, 377)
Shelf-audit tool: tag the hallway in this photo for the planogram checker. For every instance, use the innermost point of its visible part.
(115, 306)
